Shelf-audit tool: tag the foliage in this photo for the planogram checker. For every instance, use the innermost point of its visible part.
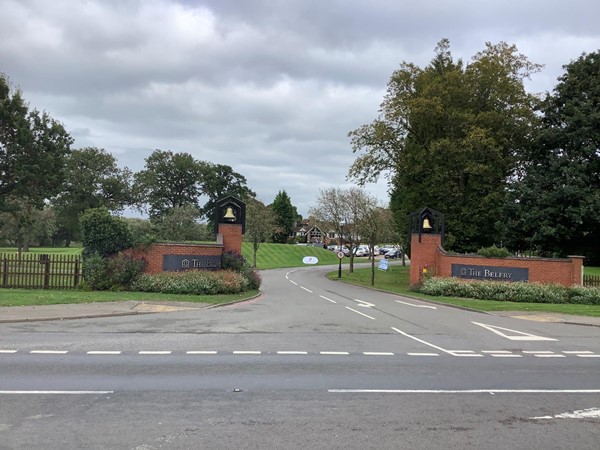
(92, 180)
(493, 252)
(285, 217)
(32, 149)
(260, 224)
(193, 282)
(169, 180)
(449, 136)
(506, 291)
(118, 272)
(103, 233)
(237, 263)
(179, 224)
(557, 204)
(22, 224)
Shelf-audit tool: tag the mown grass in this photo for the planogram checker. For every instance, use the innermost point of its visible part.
(396, 281)
(274, 256)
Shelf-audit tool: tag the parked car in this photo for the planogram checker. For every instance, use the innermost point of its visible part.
(362, 250)
(384, 250)
(393, 254)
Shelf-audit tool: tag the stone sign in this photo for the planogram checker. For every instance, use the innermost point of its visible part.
(176, 263)
(490, 273)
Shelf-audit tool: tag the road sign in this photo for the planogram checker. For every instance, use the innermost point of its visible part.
(340, 255)
(310, 260)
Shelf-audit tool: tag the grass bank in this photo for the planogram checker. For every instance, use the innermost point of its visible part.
(396, 281)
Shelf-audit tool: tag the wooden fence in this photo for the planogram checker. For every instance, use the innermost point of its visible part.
(591, 280)
(39, 271)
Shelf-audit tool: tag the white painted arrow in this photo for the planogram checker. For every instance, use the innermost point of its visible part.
(364, 304)
(520, 335)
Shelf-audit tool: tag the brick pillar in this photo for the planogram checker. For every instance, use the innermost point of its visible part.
(576, 270)
(231, 234)
(423, 255)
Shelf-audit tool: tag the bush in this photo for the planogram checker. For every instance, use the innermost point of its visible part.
(116, 273)
(193, 282)
(512, 292)
(103, 233)
(493, 252)
(237, 263)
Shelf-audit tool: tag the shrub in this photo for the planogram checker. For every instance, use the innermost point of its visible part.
(512, 292)
(103, 233)
(237, 263)
(493, 252)
(116, 273)
(193, 282)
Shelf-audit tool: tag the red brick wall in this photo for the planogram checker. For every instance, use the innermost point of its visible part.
(429, 253)
(232, 237)
(155, 252)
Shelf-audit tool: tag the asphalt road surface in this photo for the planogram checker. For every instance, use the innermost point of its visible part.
(310, 364)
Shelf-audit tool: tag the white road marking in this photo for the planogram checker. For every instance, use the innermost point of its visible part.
(155, 352)
(328, 299)
(538, 352)
(420, 340)
(334, 353)
(364, 304)
(550, 356)
(590, 413)
(578, 352)
(503, 355)
(201, 352)
(495, 351)
(307, 290)
(8, 351)
(291, 353)
(247, 352)
(293, 282)
(423, 354)
(378, 354)
(416, 306)
(521, 336)
(49, 352)
(464, 391)
(588, 356)
(56, 392)
(104, 352)
(358, 312)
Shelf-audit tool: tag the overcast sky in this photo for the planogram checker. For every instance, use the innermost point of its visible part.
(269, 87)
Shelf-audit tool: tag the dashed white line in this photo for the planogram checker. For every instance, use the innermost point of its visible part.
(550, 356)
(104, 352)
(155, 352)
(588, 356)
(55, 392)
(358, 312)
(307, 290)
(503, 355)
(8, 351)
(328, 299)
(423, 354)
(284, 352)
(495, 351)
(578, 352)
(49, 352)
(334, 353)
(378, 354)
(465, 391)
(247, 352)
(201, 352)
(537, 352)
(293, 282)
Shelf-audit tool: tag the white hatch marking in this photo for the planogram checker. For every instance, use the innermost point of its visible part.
(517, 336)
(590, 413)
(358, 312)
(416, 306)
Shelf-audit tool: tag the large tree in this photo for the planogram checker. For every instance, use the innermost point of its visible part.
(557, 207)
(92, 180)
(169, 180)
(285, 216)
(450, 136)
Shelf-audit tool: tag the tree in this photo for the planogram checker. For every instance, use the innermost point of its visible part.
(33, 147)
(450, 137)
(22, 224)
(285, 217)
(557, 204)
(260, 224)
(180, 224)
(92, 180)
(217, 181)
(169, 180)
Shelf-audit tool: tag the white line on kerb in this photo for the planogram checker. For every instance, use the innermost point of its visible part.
(362, 314)
(55, 392)
(465, 391)
(307, 290)
(328, 299)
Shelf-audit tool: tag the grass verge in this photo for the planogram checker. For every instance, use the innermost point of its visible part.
(35, 297)
(396, 281)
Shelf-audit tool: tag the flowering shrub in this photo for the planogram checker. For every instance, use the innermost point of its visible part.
(512, 292)
(193, 282)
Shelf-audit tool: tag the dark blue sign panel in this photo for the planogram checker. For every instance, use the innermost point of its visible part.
(490, 272)
(176, 263)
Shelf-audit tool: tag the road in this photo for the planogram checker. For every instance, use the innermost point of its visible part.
(310, 364)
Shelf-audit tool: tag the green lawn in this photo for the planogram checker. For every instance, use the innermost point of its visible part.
(46, 250)
(273, 256)
(396, 281)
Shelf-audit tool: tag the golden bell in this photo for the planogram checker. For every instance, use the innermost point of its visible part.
(229, 215)
(426, 224)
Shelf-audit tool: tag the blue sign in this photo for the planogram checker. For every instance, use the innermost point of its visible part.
(490, 273)
(383, 264)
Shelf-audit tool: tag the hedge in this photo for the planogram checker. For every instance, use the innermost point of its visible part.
(193, 282)
(511, 292)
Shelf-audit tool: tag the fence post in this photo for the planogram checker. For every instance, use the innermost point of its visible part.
(46, 272)
(5, 272)
(76, 274)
